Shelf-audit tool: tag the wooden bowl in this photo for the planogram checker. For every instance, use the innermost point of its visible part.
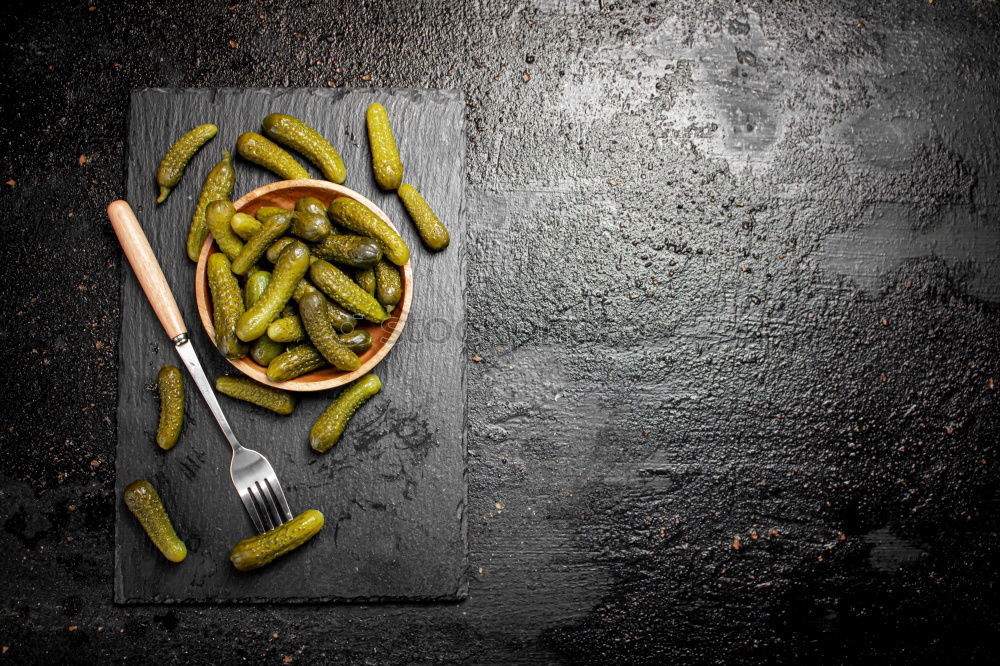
(284, 194)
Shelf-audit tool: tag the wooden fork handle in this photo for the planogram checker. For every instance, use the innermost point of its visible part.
(146, 267)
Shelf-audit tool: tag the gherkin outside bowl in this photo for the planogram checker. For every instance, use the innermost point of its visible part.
(284, 194)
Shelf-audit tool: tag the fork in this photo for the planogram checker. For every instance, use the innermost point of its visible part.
(252, 474)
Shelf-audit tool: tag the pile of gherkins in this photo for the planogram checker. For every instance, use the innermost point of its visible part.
(288, 289)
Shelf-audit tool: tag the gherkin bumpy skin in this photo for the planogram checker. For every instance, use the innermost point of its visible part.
(338, 286)
(265, 212)
(287, 329)
(145, 504)
(388, 285)
(365, 278)
(312, 310)
(331, 424)
(273, 227)
(218, 185)
(256, 551)
(217, 217)
(386, 163)
(295, 362)
(268, 397)
(261, 150)
(291, 267)
(264, 349)
(358, 218)
(349, 250)
(227, 306)
(176, 160)
(432, 232)
(297, 135)
(170, 383)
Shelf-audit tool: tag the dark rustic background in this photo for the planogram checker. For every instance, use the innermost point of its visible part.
(732, 292)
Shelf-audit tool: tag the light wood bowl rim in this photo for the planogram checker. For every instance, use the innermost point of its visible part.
(325, 378)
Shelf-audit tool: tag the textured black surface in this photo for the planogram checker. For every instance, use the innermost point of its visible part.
(814, 188)
(393, 490)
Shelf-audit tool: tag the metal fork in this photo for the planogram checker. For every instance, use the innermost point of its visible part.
(252, 474)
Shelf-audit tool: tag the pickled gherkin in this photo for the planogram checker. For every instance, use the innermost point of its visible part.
(218, 185)
(265, 212)
(272, 228)
(227, 306)
(256, 551)
(264, 152)
(349, 250)
(170, 383)
(341, 320)
(358, 341)
(355, 216)
(176, 160)
(365, 278)
(304, 139)
(245, 226)
(291, 267)
(310, 205)
(145, 504)
(432, 232)
(327, 430)
(342, 290)
(268, 397)
(218, 216)
(386, 163)
(295, 362)
(310, 226)
(277, 247)
(287, 329)
(254, 288)
(312, 310)
(263, 349)
(388, 285)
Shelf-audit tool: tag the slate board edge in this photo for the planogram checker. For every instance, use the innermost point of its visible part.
(462, 587)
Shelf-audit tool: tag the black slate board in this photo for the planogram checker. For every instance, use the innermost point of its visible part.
(393, 490)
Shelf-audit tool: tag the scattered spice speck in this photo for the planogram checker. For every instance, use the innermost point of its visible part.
(477, 358)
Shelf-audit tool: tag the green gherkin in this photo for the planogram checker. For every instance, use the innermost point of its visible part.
(176, 160)
(295, 362)
(386, 163)
(388, 285)
(338, 286)
(327, 430)
(297, 135)
(218, 216)
(218, 185)
(145, 504)
(245, 226)
(291, 267)
(358, 341)
(310, 226)
(287, 329)
(365, 278)
(273, 227)
(358, 218)
(170, 383)
(268, 397)
(261, 150)
(349, 250)
(257, 551)
(432, 232)
(312, 310)
(227, 306)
